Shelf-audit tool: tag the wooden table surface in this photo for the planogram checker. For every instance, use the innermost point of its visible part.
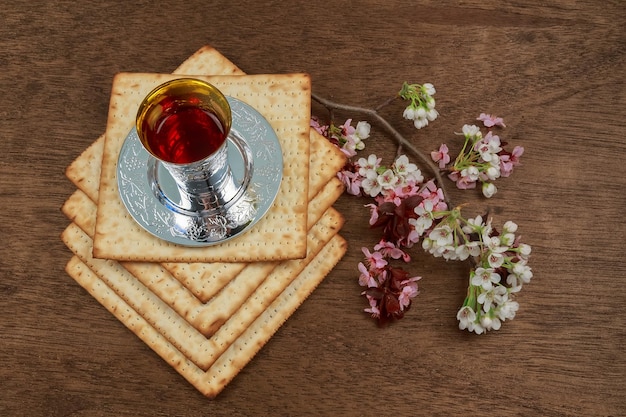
(555, 71)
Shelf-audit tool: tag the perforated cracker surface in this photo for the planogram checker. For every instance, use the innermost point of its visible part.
(284, 100)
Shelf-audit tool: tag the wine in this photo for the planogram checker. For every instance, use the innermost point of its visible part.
(183, 121)
(184, 134)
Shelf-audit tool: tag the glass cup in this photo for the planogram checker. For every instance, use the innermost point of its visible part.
(184, 124)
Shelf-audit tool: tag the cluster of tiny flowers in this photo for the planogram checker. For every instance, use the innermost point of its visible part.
(421, 108)
(482, 159)
(501, 267)
(391, 183)
(347, 137)
(389, 290)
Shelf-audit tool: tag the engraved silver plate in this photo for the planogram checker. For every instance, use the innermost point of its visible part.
(153, 199)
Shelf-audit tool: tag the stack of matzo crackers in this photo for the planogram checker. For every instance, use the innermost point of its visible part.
(207, 311)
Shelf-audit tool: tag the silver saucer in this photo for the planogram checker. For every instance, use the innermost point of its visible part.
(151, 197)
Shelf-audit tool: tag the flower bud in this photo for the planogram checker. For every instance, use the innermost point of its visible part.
(470, 130)
(429, 89)
(524, 249)
(510, 227)
(489, 189)
(507, 239)
(486, 322)
(492, 173)
(420, 123)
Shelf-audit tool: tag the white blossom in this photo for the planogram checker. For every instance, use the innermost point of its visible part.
(388, 179)
(485, 278)
(490, 323)
(402, 164)
(507, 310)
(421, 224)
(473, 225)
(523, 271)
(462, 252)
(366, 166)
(466, 316)
(496, 296)
(476, 328)
(371, 186)
(442, 235)
(473, 247)
(363, 130)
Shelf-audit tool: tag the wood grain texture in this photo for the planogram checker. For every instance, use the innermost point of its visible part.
(554, 70)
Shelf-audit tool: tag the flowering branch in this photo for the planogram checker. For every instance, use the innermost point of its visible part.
(401, 141)
(409, 209)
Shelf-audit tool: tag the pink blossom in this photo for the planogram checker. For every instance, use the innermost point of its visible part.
(409, 189)
(518, 151)
(465, 183)
(376, 259)
(430, 188)
(441, 156)
(346, 128)
(347, 152)
(373, 308)
(349, 147)
(506, 166)
(321, 129)
(413, 237)
(351, 180)
(490, 121)
(382, 276)
(508, 161)
(366, 279)
(435, 194)
(373, 213)
(409, 291)
(389, 249)
(391, 196)
(462, 183)
(397, 194)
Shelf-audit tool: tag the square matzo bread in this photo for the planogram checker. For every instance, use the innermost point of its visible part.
(284, 100)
